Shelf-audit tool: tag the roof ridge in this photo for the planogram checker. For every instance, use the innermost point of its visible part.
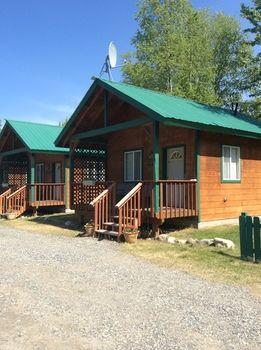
(30, 122)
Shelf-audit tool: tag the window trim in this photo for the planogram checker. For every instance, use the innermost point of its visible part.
(223, 180)
(141, 164)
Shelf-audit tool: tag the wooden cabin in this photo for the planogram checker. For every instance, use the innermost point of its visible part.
(163, 157)
(33, 171)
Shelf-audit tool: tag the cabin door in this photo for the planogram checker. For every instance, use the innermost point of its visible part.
(57, 179)
(57, 172)
(176, 171)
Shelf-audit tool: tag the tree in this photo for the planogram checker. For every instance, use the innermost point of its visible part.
(232, 58)
(253, 15)
(63, 122)
(252, 83)
(189, 53)
(173, 52)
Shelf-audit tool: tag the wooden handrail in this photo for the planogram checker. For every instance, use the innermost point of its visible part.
(128, 195)
(16, 192)
(99, 197)
(16, 202)
(3, 200)
(104, 207)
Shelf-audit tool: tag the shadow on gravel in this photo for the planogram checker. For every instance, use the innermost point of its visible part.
(66, 221)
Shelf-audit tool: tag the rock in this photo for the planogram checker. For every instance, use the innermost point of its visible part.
(224, 242)
(163, 237)
(171, 240)
(207, 242)
(182, 241)
(192, 241)
(218, 245)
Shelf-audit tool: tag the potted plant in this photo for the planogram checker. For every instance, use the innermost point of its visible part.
(131, 234)
(10, 215)
(89, 229)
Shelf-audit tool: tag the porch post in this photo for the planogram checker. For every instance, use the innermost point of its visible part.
(197, 163)
(106, 107)
(32, 177)
(67, 183)
(156, 164)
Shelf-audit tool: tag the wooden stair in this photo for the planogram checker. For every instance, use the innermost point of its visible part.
(16, 203)
(111, 229)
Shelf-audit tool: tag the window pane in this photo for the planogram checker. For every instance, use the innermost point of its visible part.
(226, 161)
(129, 166)
(234, 167)
(137, 165)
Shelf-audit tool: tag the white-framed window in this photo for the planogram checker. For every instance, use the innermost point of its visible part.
(39, 173)
(133, 165)
(231, 163)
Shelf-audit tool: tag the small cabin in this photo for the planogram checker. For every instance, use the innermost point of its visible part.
(34, 172)
(152, 157)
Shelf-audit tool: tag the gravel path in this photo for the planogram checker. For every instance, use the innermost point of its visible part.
(58, 292)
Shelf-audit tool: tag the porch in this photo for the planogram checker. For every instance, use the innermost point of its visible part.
(130, 198)
(20, 176)
(31, 196)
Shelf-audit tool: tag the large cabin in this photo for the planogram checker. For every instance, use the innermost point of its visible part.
(34, 172)
(152, 157)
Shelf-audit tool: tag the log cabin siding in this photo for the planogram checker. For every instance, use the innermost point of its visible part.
(219, 200)
(141, 138)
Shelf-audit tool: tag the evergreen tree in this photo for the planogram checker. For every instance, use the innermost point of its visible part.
(253, 82)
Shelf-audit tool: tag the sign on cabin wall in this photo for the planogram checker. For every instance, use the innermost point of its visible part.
(89, 182)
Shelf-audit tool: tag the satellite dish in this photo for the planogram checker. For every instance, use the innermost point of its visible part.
(112, 54)
(110, 61)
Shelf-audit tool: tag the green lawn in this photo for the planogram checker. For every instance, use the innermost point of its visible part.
(212, 263)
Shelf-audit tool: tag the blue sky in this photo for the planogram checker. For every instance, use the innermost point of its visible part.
(50, 49)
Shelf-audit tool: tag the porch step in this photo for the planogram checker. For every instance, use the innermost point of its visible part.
(107, 233)
(114, 224)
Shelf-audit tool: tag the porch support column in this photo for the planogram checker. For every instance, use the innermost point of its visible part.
(106, 108)
(32, 177)
(67, 184)
(197, 163)
(156, 165)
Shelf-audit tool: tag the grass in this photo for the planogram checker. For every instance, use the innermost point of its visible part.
(47, 224)
(215, 264)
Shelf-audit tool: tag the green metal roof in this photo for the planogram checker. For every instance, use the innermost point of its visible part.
(187, 111)
(173, 110)
(37, 137)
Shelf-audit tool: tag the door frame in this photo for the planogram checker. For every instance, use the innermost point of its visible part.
(44, 175)
(54, 172)
(164, 159)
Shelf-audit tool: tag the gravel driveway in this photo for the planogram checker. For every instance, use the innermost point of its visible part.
(58, 292)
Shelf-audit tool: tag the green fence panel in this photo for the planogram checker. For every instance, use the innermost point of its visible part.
(257, 239)
(249, 238)
(242, 233)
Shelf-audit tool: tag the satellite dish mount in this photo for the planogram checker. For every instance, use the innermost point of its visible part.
(110, 61)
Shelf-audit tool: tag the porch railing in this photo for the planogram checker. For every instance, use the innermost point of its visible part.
(104, 205)
(129, 209)
(3, 201)
(17, 201)
(45, 194)
(176, 198)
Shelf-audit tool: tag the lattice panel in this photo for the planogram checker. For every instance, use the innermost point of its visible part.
(14, 173)
(87, 164)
